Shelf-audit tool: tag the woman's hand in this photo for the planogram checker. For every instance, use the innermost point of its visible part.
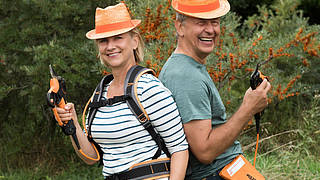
(86, 152)
(67, 113)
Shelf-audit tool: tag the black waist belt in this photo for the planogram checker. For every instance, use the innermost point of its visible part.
(143, 171)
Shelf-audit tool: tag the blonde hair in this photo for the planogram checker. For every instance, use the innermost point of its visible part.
(138, 52)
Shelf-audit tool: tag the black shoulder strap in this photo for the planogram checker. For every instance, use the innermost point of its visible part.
(97, 99)
(130, 88)
(93, 110)
(131, 97)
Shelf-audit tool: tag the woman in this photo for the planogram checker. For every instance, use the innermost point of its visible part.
(122, 138)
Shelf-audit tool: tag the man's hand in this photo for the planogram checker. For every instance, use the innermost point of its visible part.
(207, 143)
(256, 100)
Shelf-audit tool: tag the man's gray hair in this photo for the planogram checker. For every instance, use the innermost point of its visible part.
(180, 17)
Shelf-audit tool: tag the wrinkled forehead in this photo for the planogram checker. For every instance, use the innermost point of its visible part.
(194, 19)
(182, 18)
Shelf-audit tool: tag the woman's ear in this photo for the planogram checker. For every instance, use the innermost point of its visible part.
(135, 39)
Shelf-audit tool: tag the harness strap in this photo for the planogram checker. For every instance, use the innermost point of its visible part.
(109, 101)
(143, 172)
(97, 98)
(134, 104)
(130, 96)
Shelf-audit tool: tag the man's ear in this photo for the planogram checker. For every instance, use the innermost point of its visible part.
(179, 28)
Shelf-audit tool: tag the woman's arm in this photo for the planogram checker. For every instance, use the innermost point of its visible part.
(178, 165)
(67, 113)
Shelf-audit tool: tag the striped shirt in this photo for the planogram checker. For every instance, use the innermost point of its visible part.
(124, 140)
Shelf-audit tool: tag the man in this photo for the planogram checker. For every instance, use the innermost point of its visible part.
(211, 137)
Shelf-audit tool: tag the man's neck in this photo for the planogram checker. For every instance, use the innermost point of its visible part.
(182, 50)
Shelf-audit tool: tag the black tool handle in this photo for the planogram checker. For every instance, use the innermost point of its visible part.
(255, 80)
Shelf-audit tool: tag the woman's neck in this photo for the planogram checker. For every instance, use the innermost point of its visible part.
(119, 73)
(119, 76)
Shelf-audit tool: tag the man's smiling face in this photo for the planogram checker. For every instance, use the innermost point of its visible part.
(200, 35)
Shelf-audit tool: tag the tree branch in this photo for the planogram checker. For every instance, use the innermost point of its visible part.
(269, 137)
(276, 148)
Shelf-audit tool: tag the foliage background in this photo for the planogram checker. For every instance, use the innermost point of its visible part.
(36, 33)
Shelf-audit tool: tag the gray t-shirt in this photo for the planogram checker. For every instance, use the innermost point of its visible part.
(197, 98)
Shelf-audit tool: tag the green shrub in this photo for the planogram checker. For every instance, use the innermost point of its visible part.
(35, 34)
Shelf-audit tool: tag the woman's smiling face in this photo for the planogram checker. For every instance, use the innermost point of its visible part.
(116, 51)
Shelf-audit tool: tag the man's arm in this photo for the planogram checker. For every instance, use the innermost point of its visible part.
(207, 143)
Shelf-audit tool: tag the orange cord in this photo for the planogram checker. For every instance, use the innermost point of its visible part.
(84, 114)
(85, 129)
(97, 152)
(255, 154)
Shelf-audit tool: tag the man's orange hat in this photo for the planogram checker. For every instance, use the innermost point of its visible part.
(111, 21)
(204, 9)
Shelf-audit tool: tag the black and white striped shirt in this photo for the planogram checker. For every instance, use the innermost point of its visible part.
(124, 140)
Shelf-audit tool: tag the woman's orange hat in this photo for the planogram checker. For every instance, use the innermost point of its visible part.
(111, 21)
(204, 9)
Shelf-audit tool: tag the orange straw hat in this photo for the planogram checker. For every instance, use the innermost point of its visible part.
(204, 9)
(111, 21)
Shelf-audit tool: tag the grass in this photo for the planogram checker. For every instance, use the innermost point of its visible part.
(293, 156)
(286, 166)
(279, 165)
(71, 171)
